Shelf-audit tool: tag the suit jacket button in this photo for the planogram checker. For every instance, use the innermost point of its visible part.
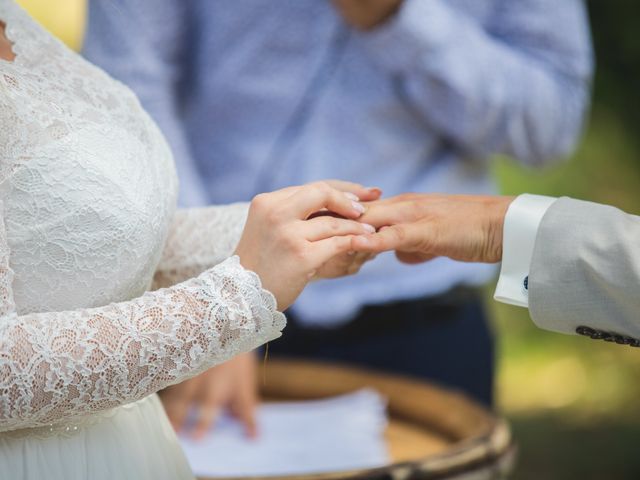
(582, 330)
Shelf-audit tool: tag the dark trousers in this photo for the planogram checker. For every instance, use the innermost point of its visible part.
(445, 339)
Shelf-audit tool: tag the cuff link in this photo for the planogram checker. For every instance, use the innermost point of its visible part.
(525, 285)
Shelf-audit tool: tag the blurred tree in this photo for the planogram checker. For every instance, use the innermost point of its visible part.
(617, 48)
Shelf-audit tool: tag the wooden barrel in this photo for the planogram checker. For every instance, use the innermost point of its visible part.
(433, 433)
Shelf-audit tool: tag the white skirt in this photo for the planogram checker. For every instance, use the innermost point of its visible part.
(132, 442)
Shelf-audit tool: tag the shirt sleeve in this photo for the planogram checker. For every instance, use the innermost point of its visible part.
(136, 43)
(521, 225)
(516, 84)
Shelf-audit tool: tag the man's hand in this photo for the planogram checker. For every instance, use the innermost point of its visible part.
(232, 386)
(420, 227)
(366, 14)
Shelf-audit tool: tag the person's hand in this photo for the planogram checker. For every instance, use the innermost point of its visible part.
(420, 227)
(231, 386)
(285, 247)
(363, 194)
(366, 14)
(348, 263)
(342, 265)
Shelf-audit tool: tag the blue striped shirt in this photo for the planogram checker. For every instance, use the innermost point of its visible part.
(254, 95)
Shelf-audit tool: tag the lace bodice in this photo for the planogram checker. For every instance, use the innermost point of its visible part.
(88, 189)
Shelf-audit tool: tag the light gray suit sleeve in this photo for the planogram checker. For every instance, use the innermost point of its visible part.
(585, 269)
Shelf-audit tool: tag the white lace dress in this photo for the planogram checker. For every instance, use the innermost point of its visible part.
(88, 221)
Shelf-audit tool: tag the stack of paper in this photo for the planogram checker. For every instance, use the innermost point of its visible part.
(339, 433)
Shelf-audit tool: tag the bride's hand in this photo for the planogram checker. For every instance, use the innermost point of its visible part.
(344, 264)
(364, 194)
(285, 248)
(348, 263)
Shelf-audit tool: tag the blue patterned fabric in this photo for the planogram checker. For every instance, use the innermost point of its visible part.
(255, 95)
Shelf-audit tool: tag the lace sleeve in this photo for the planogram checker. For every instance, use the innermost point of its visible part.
(62, 365)
(190, 248)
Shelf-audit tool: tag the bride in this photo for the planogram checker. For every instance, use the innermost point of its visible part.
(88, 224)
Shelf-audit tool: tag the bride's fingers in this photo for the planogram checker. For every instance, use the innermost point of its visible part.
(276, 197)
(365, 194)
(359, 259)
(353, 192)
(344, 264)
(318, 196)
(319, 228)
(324, 250)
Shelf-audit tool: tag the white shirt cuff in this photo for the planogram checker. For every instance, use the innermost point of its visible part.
(519, 237)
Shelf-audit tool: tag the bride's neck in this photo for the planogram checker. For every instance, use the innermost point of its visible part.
(6, 52)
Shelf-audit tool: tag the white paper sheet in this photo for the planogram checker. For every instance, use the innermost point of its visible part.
(339, 433)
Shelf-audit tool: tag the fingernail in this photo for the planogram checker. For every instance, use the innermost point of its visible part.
(369, 228)
(358, 207)
(351, 252)
(352, 196)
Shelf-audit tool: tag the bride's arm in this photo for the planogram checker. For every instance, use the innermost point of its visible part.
(199, 238)
(58, 365)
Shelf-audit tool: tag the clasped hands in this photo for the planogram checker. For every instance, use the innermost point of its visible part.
(330, 229)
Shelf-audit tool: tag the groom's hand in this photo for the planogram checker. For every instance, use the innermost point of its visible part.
(420, 227)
